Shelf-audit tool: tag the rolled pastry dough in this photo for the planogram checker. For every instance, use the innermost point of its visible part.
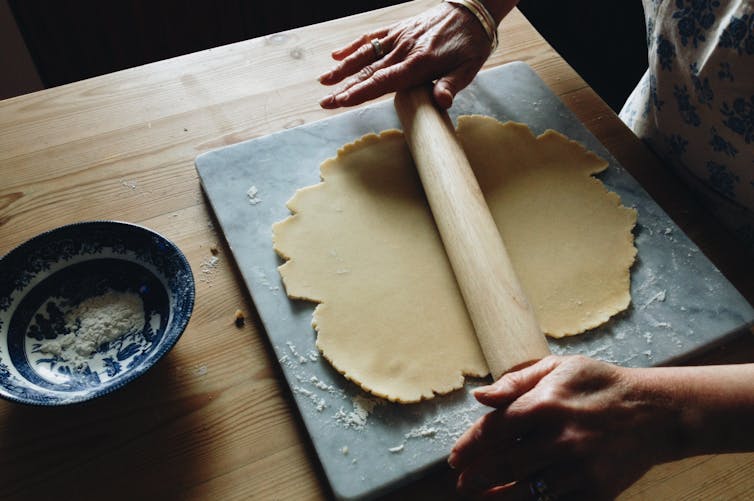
(362, 244)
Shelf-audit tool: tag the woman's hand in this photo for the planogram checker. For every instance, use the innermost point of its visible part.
(565, 427)
(446, 43)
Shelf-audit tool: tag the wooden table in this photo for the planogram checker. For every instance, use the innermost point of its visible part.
(214, 419)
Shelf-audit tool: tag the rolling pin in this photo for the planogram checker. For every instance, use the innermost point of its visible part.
(506, 327)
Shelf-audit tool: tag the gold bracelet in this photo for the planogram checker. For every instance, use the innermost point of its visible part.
(483, 15)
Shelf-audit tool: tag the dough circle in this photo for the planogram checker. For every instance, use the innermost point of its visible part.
(363, 244)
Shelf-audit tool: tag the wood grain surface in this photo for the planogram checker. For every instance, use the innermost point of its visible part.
(214, 419)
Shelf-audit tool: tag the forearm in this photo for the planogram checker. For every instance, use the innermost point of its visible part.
(713, 406)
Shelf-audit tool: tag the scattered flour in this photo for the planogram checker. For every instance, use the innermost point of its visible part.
(209, 268)
(262, 278)
(446, 428)
(442, 430)
(309, 356)
(286, 361)
(422, 432)
(321, 385)
(659, 297)
(356, 419)
(94, 322)
(252, 193)
(318, 402)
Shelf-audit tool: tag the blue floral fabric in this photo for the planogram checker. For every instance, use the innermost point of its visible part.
(695, 104)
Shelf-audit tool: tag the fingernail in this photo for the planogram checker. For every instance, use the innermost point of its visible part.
(326, 76)
(482, 390)
(453, 460)
(327, 101)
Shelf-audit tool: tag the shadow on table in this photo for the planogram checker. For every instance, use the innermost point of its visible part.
(139, 440)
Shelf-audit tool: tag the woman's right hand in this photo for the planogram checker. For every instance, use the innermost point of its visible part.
(568, 427)
(446, 43)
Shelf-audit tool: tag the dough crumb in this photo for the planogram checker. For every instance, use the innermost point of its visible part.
(396, 449)
(240, 319)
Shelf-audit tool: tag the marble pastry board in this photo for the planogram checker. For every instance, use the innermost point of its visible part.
(681, 302)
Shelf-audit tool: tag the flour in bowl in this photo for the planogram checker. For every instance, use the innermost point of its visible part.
(94, 322)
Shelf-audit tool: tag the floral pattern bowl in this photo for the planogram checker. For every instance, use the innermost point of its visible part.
(87, 308)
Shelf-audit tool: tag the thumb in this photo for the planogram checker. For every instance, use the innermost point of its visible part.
(447, 87)
(514, 384)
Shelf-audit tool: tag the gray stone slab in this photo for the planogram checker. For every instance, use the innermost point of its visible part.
(681, 302)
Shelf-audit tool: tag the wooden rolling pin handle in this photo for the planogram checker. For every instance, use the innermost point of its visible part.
(505, 324)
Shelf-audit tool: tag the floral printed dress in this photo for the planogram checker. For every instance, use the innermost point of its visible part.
(695, 105)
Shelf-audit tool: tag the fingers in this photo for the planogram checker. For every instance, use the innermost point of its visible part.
(444, 42)
(515, 384)
(367, 84)
(503, 466)
(447, 87)
(512, 421)
(368, 76)
(349, 49)
(551, 483)
(444, 93)
(494, 431)
(386, 75)
(357, 58)
(562, 414)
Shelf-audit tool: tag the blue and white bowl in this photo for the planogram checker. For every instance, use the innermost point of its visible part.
(49, 276)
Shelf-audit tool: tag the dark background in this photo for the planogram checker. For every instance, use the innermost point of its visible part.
(70, 40)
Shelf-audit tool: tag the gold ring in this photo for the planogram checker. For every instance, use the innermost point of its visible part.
(377, 46)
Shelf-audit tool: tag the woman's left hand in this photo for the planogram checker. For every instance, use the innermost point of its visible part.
(565, 427)
(446, 43)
